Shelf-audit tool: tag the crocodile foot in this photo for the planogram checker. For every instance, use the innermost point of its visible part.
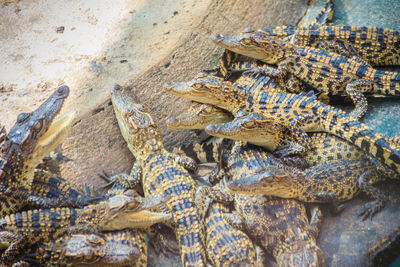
(370, 209)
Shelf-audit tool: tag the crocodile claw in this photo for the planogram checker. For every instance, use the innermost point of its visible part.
(370, 209)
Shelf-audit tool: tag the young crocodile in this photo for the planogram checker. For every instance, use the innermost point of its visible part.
(326, 71)
(298, 113)
(116, 213)
(280, 226)
(377, 46)
(118, 248)
(253, 128)
(332, 181)
(226, 245)
(32, 137)
(161, 172)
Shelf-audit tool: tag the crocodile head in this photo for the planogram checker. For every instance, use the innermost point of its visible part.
(34, 136)
(302, 253)
(254, 44)
(198, 116)
(250, 127)
(272, 181)
(83, 248)
(204, 88)
(91, 248)
(136, 124)
(129, 210)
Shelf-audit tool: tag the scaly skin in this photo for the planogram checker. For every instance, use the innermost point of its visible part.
(116, 213)
(32, 137)
(161, 172)
(197, 117)
(333, 181)
(118, 248)
(280, 226)
(377, 46)
(298, 113)
(226, 245)
(49, 190)
(251, 129)
(326, 71)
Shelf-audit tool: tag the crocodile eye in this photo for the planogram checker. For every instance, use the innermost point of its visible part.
(95, 240)
(209, 109)
(197, 85)
(38, 125)
(248, 30)
(249, 124)
(23, 117)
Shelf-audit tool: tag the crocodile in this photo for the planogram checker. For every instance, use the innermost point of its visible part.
(231, 62)
(32, 137)
(249, 128)
(299, 113)
(376, 46)
(280, 226)
(128, 210)
(331, 181)
(226, 245)
(118, 248)
(161, 172)
(326, 71)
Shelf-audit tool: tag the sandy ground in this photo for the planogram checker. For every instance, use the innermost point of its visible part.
(87, 45)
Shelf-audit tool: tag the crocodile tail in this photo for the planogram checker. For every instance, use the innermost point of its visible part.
(326, 14)
(204, 152)
(375, 144)
(189, 233)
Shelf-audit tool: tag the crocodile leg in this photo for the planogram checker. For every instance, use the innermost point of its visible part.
(316, 220)
(277, 73)
(297, 125)
(15, 243)
(293, 84)
(186, 162)
(204, 192)
(235, 220)
(338, 47)
(371, 208)
(331, 198)
(125, 180)
(355, 90)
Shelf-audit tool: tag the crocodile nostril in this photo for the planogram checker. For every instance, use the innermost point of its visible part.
(116, 86)
(217, 37)
(63, 90)
(172, 121)
(168, 85)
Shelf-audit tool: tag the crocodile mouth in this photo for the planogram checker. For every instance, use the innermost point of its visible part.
(54, 134)
(235, 43)
(57, 129)
(136, 219)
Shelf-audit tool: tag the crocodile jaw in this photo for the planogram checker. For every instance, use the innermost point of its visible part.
(256, 185)
(233, 43)
(185, 90)
(140, 219)
(50, 140)
(270, 142)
